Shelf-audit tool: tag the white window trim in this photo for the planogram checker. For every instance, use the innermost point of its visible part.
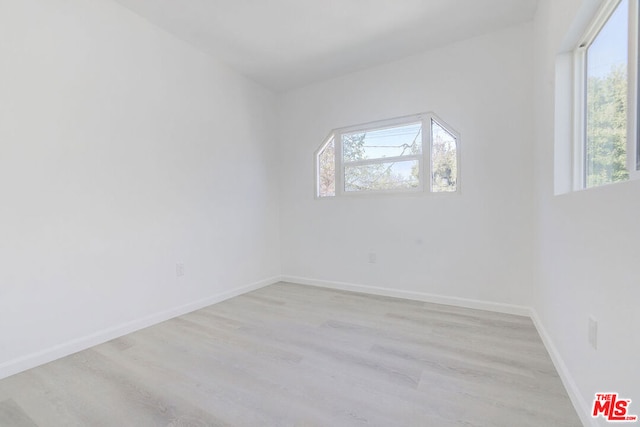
(424, 159)
(316, 169)
(633, 122)
(579, 118)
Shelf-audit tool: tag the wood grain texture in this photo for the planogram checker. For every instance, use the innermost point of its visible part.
(291, 355)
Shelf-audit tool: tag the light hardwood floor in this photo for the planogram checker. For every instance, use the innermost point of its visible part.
(291, 355)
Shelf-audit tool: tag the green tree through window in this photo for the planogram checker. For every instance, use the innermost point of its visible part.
(606, 101)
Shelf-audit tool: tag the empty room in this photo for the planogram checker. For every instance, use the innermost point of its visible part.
(306, 213)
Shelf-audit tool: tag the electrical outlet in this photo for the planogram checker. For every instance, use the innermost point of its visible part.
(373, 257)
(179, 269)
(593, 332)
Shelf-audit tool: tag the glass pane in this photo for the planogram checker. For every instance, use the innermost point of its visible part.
(395, 141)
(382, 176)
(327, 170)
(444, 160)
(606, 121)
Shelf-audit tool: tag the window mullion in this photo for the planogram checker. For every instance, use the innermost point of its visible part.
(383, 160)
(339, 169)
(427, 145)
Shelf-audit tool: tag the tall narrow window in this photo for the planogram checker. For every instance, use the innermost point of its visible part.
(444, 159)
(607, 137)
(326, 167)
(606, 97)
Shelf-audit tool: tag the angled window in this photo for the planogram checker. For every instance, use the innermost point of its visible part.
(607, 97)
(326, 167)
(444, 159)
(407, 154)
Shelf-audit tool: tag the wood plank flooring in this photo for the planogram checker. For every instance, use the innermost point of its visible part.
(291, 355)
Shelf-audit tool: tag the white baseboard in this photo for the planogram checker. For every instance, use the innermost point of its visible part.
(418, 296)
(29, 361)
(20, 364)
(582, 408)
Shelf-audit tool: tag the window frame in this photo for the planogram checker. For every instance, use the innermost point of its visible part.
(425, 175)
(580, 93)
(633, 123)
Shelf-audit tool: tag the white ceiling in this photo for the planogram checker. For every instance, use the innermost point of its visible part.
(284, 44)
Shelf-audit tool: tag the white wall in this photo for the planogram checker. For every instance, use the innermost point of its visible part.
(122, 152)
(476, 245)
(586, 246)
